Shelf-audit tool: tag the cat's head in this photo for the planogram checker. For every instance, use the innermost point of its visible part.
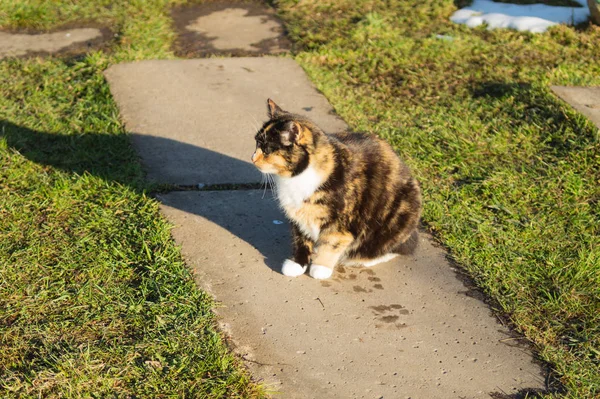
(284, 143)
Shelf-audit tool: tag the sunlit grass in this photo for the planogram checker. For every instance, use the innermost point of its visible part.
(511, 174)
(95, 300)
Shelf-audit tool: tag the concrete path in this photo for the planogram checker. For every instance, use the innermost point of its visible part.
(584, 99)
(19, 44)
(408, 328)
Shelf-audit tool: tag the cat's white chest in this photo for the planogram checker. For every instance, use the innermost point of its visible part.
(292, 192)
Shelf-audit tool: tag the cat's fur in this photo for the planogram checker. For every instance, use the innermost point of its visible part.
(348, 196)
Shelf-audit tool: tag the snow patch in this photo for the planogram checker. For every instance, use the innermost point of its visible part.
(535, 18)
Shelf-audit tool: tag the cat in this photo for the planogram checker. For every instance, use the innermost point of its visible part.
(348, 197)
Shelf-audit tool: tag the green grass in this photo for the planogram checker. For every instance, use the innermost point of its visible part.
(510, 174)
(95, 300)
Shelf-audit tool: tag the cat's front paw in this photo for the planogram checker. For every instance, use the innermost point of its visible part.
(320, 272)
(292, 269)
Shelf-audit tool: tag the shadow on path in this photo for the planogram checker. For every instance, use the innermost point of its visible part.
(112, 158)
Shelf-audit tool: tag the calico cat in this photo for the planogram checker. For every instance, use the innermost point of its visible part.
(348, 196)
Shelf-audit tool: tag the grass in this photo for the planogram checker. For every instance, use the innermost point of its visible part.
(95, 300)
(94, 297)
(511, 174)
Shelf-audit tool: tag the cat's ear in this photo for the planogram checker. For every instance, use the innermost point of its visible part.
(291, 134)
(273, 109)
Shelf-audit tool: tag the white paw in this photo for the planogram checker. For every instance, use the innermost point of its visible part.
(292, 269)
(320, 272)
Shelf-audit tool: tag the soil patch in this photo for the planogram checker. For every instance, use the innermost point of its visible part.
(228, 28)
(65, 40)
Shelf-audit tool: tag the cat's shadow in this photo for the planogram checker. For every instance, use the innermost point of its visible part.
(111, 157)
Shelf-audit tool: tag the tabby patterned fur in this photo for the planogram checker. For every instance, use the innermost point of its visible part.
(349, 198)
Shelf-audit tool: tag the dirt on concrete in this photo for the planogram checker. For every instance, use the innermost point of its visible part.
(235, 28)
(70, 39)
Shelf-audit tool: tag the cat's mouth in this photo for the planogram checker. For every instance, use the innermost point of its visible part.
(258, 159)
(266, 168)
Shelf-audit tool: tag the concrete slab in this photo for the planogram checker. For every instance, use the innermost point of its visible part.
(228, 27)
(19, 44)
(193, 121)
(405, 329)
(584, 99)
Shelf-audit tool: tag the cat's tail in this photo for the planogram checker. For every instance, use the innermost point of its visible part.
(408, 247)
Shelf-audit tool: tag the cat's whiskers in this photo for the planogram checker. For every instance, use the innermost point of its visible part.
(265, 181)
(272, 186)
(256, 125)
(268, 182)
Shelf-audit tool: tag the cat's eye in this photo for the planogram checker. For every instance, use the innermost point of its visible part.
(265, 148)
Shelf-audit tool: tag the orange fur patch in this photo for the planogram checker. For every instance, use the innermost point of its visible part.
(331, 247)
